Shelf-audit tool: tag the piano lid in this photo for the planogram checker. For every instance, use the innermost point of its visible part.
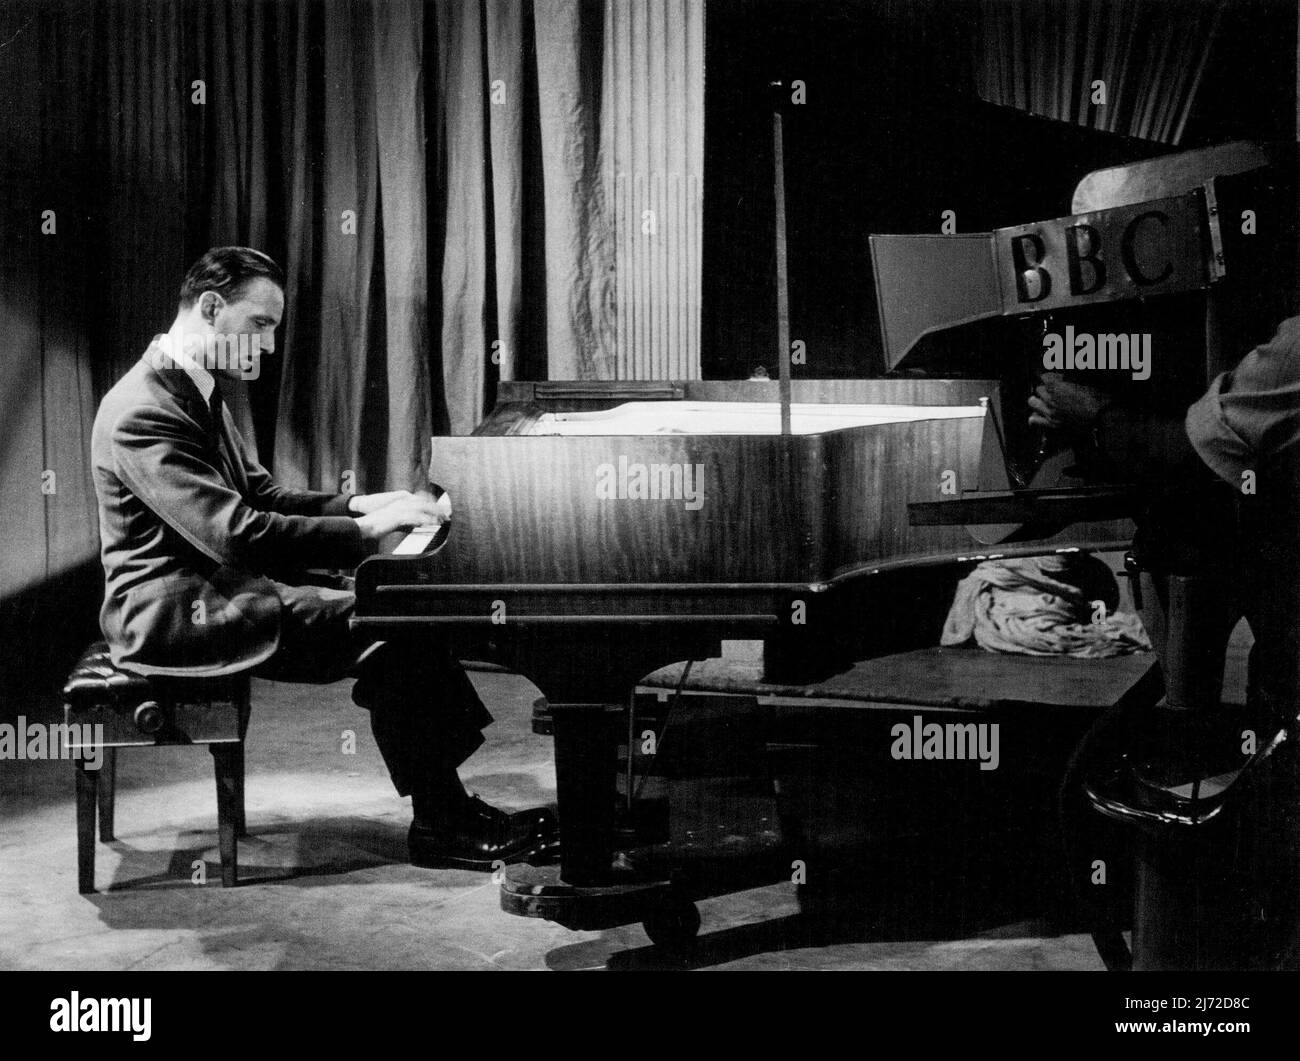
(1157, 178)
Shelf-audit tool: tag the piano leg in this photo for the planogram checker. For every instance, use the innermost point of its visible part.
(586, 762)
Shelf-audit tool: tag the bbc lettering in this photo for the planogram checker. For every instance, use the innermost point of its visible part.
(1103, 256)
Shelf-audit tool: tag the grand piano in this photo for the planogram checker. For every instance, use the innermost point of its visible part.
(603, 530)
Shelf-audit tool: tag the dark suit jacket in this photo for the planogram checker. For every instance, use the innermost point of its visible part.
(191, 526)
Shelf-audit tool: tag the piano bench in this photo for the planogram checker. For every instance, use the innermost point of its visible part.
(106, 708)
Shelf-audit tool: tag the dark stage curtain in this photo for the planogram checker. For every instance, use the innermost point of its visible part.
(1151, 55)
(47, 400)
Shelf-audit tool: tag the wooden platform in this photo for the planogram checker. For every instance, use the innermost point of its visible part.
(936, 678)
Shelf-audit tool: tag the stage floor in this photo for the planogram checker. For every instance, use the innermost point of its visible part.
(326, 884)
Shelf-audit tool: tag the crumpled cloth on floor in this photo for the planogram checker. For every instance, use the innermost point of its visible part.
(1043, 606)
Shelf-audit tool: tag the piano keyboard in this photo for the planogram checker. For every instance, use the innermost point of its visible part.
(417, 540)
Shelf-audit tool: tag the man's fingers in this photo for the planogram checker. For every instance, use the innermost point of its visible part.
(411, 511)
(428, 511)
(1041, 414)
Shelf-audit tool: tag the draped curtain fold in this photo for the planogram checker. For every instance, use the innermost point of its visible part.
(578, 260)
(49, 270)
(653, 138)
(353, 399)
(1150, 55)
(467, 334)
(308, 152)
(602, 105)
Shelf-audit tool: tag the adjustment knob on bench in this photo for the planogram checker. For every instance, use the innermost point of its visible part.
(149, 717)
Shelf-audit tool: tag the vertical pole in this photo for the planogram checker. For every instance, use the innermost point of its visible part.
(782, 279)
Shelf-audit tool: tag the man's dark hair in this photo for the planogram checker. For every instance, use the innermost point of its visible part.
(227, 270)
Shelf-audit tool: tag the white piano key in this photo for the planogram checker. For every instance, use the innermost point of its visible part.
(417, 541)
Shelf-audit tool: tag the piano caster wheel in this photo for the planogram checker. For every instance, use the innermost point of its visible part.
(673, 926)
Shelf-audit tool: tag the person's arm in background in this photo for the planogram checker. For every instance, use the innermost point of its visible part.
(1140, 443)
(1252, 412)
(1246, 416)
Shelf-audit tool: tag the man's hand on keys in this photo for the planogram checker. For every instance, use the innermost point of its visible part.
(364, 504)
(401, 510)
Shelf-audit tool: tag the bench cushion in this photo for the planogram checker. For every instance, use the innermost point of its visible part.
(95, 680)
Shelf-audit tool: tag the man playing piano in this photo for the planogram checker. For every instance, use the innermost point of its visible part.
(206, 558)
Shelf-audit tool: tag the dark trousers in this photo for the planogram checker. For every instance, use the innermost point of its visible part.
(426, 717)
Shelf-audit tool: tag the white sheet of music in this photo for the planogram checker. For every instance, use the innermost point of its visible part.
(736, 418)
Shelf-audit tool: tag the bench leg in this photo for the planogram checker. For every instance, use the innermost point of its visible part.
(237, 764)
(87, 786)
(228, 811)
(107, 794)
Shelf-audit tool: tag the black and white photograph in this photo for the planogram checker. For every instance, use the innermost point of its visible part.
(650, 486)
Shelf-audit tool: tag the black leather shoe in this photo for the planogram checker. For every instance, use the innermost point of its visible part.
(479, 836)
